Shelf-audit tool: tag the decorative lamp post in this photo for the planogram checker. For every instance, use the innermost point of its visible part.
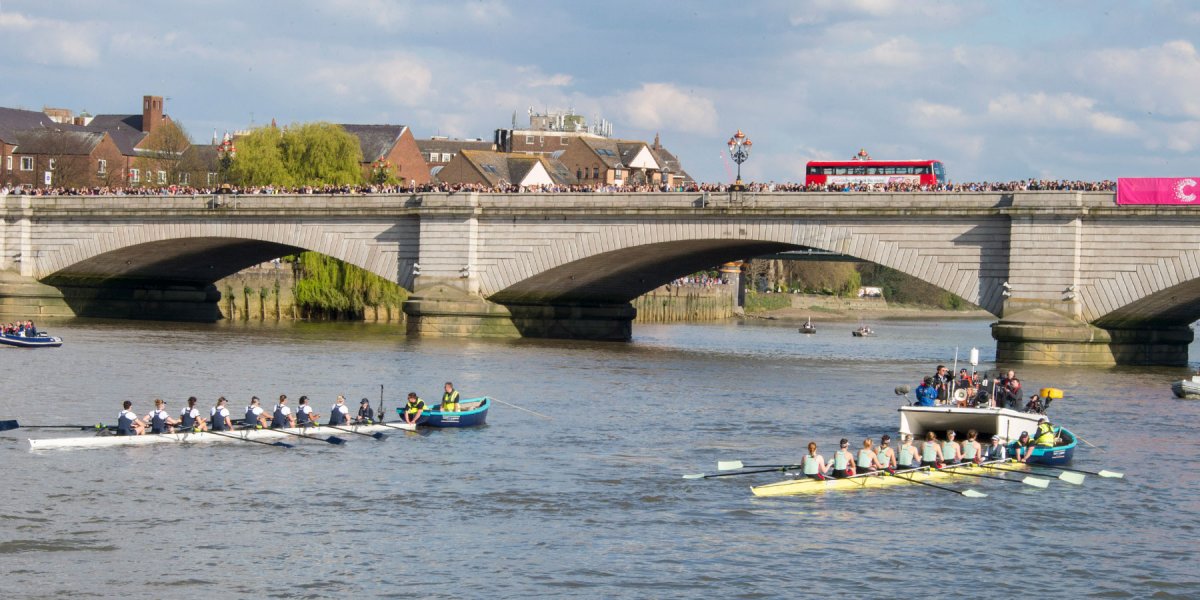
(739, 151)
(226, 152)
(381, 170)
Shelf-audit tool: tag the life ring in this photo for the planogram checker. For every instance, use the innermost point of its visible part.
(960, 395)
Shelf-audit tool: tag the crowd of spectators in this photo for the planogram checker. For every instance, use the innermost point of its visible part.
(698, 280)
(983, 186)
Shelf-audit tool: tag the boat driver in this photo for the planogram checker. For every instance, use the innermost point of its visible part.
(450, 398)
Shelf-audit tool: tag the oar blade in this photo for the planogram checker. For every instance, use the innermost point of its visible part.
(9, 425)
(283, 445)
(1112, 474)
(1037, 483)
(335, 440)
(973, 494)
(729, 465)
(694, 476)
(380, 436)
(1074, 478)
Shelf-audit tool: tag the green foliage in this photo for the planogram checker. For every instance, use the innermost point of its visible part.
(327, 287)
(766, 302)
(904, 289)
(306, 154)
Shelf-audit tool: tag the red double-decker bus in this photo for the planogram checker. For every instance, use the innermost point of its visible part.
(868, 171)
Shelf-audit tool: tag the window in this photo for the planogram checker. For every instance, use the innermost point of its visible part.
(490, 169)
(101, 167)
(211, 179)
(135, 176)
(26, 163)
(162, 177)
(183, 179)
(595, 172)
(446, 156)
(563, 140)
(8, 163)
(618, 175)
(51, 163)
(529, 140)
(578, 173)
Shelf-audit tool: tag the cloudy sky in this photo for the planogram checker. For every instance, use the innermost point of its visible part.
(998, 90)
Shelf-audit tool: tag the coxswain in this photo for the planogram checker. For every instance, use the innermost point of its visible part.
(340, 413)
(413, 408)
(931, 451)
(995, 450)
(305, 417)
(868, 461)
(282, 416)
(128, 423)
(365, 415)
(159, 419)
(1024, 447)
(189, 417)
(219, 416)
(1044, 436)
(843, 460)
(255, 417)
(450, 398)
(886, 456)
(971, 450)
(813, 464)
(951, 451)
(908, 452)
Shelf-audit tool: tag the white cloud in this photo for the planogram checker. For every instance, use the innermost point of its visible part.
(401, 79)
(49, 41)
(1162, 79)
(665, 106)
(1057, 110)
(932, 114)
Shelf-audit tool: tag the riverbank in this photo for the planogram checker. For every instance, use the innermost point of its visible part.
(833, 308)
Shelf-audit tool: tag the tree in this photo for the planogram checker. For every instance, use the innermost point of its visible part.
(306, 154)
(162, 152)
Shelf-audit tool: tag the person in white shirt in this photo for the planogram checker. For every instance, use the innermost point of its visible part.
(189, 417)
(282, 416)
(339, 415)
(305, 417)
(128, 422)
(255, 416)
(159, 419)
(219, 416)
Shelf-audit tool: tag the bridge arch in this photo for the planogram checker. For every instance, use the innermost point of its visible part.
(618, 263)
(1164, 292)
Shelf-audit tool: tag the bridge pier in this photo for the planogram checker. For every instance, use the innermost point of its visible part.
(1041, 336)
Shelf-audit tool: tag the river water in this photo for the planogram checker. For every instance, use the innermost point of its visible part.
(587, 504)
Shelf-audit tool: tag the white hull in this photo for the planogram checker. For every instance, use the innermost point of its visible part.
(1187, 388)
(233, 437)
(1004, 422)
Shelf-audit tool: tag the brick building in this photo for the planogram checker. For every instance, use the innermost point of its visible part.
(67, 157)
(612, 162)
(498, 169)
(438, 151)
(394, 144)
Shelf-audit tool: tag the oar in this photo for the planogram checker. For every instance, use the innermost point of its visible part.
(703, 476)
(1100, 473)
(1031, 481)
(731, 465)
(9, 425)
(1074, 478)
(377, 435)
(970, 493)
(519, 408)
(333, 439)
(238, 437)
(398, 428)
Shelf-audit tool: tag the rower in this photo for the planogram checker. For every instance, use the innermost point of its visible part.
(159, 419)
(189, 417)
(413, 408)
(1045, 433)
(813, 464)
(951, 451)
(364, 412)
(255, 417)
(868, 461)
(305, 417)
(128, 423)
(1024, 447)
(282, 416)
(995, 450)
(931, 451)
(340, 413)
(886, 456)
(971, 450)
(843, 460)
(908, 452)
(219, 416)
(450, 398)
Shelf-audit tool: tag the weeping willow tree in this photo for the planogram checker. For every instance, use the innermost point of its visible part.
(327, 288)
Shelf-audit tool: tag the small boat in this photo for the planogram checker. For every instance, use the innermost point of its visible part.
(808, 327)
(863, 331)
(1004, 422)
(808, 485)
(474, 412)
(41, 340)
(1058, 454)
(197, 437)
(1187, 388)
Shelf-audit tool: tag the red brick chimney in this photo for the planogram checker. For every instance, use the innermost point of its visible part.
(152, 112)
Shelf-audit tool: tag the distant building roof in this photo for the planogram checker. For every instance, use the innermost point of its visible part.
(375, 140)
(669, 161)
(441, 145)
(126, 131)
(499, 168)
(58, 141)
(14, 120)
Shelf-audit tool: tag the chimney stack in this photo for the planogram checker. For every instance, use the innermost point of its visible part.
(152, 112)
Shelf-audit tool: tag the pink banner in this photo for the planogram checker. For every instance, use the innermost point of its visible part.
(1158, 190)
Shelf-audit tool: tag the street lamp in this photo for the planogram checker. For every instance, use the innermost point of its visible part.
(739, 151)
(226, 152)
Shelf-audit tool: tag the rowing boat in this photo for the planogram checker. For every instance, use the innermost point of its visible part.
(474, 412)
(267, 435)
(1058, 454)
(807, 485)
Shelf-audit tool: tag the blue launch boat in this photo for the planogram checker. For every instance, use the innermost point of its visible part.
(474, 412)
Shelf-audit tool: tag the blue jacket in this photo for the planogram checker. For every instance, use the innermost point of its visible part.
(926, 395)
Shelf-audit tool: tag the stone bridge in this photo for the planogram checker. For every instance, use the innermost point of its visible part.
(1073, 278)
